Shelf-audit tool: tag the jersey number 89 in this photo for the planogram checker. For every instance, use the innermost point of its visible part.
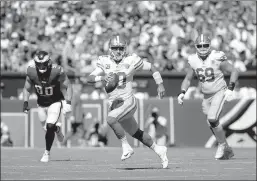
(205, 74)
(48, 91)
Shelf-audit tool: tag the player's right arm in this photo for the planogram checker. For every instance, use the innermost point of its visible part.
(26, 93)
(96, 76)
(139, 64)
(185, 84)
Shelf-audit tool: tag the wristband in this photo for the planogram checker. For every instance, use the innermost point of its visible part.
(98, 78)
(157, 77)
(25, 104)
(231, 86)
(183, 92)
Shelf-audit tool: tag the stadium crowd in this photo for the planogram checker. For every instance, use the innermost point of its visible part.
(163, 32)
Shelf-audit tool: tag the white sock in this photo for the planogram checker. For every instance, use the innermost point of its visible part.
(154, 147)
(47, 152)
(124, 142)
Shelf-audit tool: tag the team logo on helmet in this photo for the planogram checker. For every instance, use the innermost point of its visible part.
(117, 47)
(42, 61)
(203, 45)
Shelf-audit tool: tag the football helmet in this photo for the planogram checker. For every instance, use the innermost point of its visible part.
(203, 45)
(42, 61)
(117, 47)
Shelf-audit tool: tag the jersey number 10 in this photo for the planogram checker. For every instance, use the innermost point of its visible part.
(205, 74)
(48, 91)
(122, 80)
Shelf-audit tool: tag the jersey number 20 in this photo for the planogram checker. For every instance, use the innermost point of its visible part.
(48, 91)
(205, 74)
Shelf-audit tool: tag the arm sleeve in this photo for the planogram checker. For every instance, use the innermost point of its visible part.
(137, 62)
(97, 71)
(146, 65)
(99, 63)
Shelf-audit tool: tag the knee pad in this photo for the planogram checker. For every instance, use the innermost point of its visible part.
(214, 123)
(51, 127)
(139, 135)
(111, 120)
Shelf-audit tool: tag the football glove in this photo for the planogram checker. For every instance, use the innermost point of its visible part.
(25, 106)
(181, 98)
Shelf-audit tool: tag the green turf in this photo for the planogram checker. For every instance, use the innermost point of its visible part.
(105, 164)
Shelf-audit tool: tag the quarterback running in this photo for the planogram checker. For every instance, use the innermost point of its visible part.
(116, 70)
(209, 66)
(54, 94)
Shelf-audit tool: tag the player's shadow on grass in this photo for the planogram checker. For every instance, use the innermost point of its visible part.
(69, 160)
(140, 168)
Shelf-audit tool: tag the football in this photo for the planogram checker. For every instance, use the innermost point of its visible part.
(113, 82)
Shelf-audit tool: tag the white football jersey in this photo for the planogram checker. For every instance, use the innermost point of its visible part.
(124, 89)
(208, 71)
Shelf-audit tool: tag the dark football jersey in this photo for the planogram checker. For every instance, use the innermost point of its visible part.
(47, 85)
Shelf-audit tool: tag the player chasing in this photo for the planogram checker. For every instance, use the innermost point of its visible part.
(52, 86)
(210, 66)
(117, 70)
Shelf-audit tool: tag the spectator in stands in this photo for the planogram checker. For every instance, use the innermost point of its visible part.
(153, 27)
(157, 127)
(97, 134)
(5, 135)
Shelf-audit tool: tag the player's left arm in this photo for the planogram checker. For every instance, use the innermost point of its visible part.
(65, 86)
(156, 75)
(225, 66)
(26, 93)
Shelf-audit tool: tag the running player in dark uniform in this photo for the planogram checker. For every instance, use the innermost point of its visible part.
(52, 87)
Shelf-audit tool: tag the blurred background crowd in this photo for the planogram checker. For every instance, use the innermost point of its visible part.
(163, 32)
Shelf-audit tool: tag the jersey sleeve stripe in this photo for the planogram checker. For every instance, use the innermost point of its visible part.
(138, 63)
(139, 66)
(100, 66)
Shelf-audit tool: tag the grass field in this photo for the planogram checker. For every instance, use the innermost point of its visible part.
(105, 164)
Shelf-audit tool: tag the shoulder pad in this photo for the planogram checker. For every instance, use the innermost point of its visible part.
(58, 68)
(31, 65)
(219, 55)
(102, 57)
(133, 57)
(191, 57)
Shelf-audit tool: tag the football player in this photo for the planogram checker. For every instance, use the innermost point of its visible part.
(122, 103)
(52, 87)
(209, 66)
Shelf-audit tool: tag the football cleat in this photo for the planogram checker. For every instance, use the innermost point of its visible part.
(127, 154)
(46, 157)
(117, 47)
(42, 61)
(224, 152)
(59, 134)
(203, 45)
(162, 153)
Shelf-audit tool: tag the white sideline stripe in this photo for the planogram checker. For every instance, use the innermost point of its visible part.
(172, 134)
(32, 131)
(105, 111)
(141, 115)
(25, 125)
